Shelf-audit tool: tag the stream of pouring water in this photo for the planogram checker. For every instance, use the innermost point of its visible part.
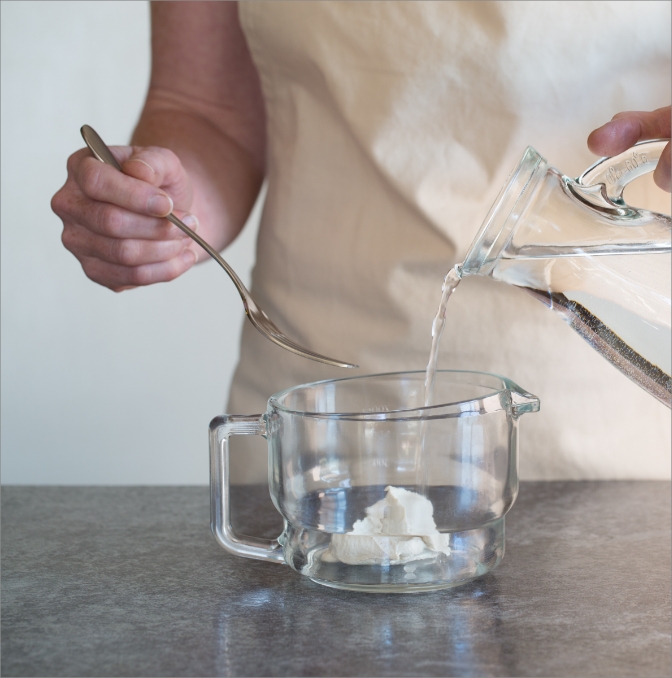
(449, 284)
(421, 466)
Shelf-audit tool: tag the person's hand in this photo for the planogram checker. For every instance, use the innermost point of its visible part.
(626, 129)
(112, 220)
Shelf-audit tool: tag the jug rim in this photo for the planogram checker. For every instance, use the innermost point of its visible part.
(516, 399)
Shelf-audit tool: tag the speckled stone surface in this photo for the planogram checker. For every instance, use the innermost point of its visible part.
(129, 582)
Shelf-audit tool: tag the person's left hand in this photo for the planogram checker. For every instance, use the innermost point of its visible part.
(629, 127)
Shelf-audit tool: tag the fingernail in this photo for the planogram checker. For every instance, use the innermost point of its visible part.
(189, 257)
(160, 205)
(146, 164)
(191, 220)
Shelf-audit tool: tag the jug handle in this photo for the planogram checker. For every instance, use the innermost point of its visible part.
(220, 497)
(617, 172)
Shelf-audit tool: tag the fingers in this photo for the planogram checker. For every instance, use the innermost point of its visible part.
(129, 252)
(119, 278)
(113, 221)
(152, 181)
(159, 167)
(103, 183)
(123, 263)
(627, 128)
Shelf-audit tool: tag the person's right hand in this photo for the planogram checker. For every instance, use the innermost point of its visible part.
(112, 221)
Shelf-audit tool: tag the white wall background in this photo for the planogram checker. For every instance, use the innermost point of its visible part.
(97, 387)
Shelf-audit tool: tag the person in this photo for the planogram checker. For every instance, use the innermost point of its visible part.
(383, 131)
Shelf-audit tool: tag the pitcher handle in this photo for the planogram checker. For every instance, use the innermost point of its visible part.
(618, 171)
(220, 497)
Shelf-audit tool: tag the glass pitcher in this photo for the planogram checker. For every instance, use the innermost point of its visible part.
(603, 265)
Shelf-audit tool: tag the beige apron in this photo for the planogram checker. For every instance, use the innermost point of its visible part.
(392, 127)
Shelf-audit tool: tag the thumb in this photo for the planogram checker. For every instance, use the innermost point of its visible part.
(163, 169)
(138, 166)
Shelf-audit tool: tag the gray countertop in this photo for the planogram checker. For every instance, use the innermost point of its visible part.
(128, 581)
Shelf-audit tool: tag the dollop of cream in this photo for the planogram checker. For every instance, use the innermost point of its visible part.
(397, 529)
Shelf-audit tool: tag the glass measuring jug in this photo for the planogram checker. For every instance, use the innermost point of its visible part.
(603, 265)
(335, 448)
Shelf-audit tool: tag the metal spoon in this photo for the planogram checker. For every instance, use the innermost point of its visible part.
(256, 316)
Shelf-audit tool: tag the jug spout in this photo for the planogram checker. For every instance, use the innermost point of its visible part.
(604, 266)
(523, 402)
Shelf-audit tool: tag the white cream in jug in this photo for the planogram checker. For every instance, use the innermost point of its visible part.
(397, 529)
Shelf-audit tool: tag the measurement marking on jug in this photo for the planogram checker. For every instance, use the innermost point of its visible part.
(631, 164)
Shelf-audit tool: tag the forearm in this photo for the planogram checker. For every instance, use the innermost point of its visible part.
(226, 178)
